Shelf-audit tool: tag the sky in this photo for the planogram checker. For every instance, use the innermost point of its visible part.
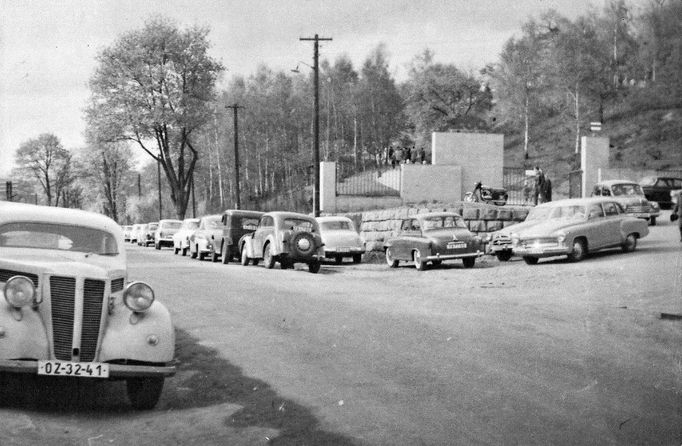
(48, 48)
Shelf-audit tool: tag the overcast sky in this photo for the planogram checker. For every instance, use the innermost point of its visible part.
(48, 47)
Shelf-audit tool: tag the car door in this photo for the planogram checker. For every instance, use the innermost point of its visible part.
(264, 229)
(594, 229)
(612, 222)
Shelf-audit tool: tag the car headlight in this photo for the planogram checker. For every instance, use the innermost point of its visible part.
(561, 237)
(138, 297)
(515, 239)
(19, 291)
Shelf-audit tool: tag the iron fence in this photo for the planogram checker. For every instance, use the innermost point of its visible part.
(369, 183)
(519, 186)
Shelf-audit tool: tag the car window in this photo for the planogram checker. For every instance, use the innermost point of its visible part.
(610, 208)
(677, 184)
(171, 225)
(248, 223)
(595, 211)
(539, 213)
(647, 181)
(266, 222)
(596, 191)
(662, 182)
(298, 224)
(606, 192)
(440, 222)
(571, 212)
(190, 224)
(337, 225)
(211, 222)
(56, 236)
(411, 225)
(627, 189)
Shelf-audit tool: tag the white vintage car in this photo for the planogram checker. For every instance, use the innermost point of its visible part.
(181, 237)
(340, 239)
(68, 310)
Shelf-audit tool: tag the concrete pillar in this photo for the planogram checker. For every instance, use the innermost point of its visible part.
(594, 155)
(328, 187)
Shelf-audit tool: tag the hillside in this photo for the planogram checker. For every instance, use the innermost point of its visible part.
(650, 139)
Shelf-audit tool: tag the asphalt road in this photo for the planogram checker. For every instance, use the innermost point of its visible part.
(505, 353)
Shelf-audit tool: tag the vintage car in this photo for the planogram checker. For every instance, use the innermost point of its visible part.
(433, 237)
(149, 230)
(137, 233)
(235, 224)
(661, 190)
(163, 236)
(630, 195)
(287, 238)
(181, 238)
(201, 240)
(576, 227)
(67, 309)
(499, 243)
(127, 233)
(340, 239)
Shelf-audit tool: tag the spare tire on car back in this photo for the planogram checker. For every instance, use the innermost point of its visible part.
(303, 244)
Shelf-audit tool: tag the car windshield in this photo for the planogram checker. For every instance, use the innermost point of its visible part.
(57, 236)
(648, 181)
(337, 225)
(442, 222)
(152, 226)
(539, 213)
(572, 212)
(213, 222)
(627, 189)
(190, 224)
(248, 224)
(171, 225)
(298, 224)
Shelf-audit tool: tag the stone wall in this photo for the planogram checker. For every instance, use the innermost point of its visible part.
(380, 225)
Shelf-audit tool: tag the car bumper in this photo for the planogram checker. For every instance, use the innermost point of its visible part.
(115, 370)
(477, 253)
(542, 251)
(334, 252)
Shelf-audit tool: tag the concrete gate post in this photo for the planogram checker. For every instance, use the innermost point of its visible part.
(594, 155)
(328, 187)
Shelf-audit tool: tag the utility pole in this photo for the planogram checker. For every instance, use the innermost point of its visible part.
(234, 108)
(316, 123)
(8, 190)
(158, 177)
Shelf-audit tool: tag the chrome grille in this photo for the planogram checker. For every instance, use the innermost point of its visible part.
(501, 240)
(62, 297)
(93, 296)
(117, 285)
(6, 274)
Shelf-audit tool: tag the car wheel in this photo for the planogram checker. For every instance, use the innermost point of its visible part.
(144, 393)
(176, 250)
(418, 262)
(184, 252)
(652, 221)
(314, 266)
(225, 255)
(579, 251)
(357, 258)
(302, 245)
(503, 256)
(436, 262)
(268, 258)
(245, 258)
(338, 259)
(200, 255)
(193, 254)
(157, 246)
(469, 262)
(530, 260)
(392, 263)
(214, 255)
(285, 264)
(630, 243)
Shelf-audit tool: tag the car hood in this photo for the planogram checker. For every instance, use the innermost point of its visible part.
(636, 200)
(546, 228)
(45, 261)
(334, 238)
(518, 227)
(448, 235)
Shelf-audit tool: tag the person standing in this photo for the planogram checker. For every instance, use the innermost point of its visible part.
(677, 211)
(422, 155)
(391, 157)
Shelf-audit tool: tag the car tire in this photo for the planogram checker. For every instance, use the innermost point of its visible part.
(530, 260)
(357, 258)
(418, 262)
(157, 246)
(338, 259)
(579, 250)
(652, 221)
(285, 264)
(302, 245)
(214, 255)
(244, 257)
(184, 252)
(193, 254)
(469, 262)
(268, 258)
(392, 262)
(176, 250)
(200, 255)
(630, 243)
(436, 262)
(314, 266)
(503, 256)
(225, 255)
(144, 393)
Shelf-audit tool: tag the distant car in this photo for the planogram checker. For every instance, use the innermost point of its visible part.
(182, 236)
(340, 239)
(499, 243)
(287, 238)
(630, 195)
(661, 189)
(127, 232)
(433, 237)
(202, 239)
(236, 224)
(67, 309)
(577, 227)
(149, 231)
(137, 233)
(163, 236)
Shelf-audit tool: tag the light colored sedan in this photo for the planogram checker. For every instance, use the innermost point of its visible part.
(576, 227)
(340, 239)
(181, 238)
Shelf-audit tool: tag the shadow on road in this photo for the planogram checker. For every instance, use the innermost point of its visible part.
(203, 379)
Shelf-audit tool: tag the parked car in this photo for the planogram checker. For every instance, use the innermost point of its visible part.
(661, 189)
(499, 243)
(577, 227)
(137, 233)
(433, 237)
(340, 239)
(68, 311)
(287, 238)
(127, 233)
(181, 238)
(163, 236)
(236, 224)
(631, 196)
(149, 231)
(201, 240)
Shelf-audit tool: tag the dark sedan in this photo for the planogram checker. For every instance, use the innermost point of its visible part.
(433, 237)
(658, 189)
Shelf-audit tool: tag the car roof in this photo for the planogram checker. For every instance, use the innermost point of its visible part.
(612, 182)
(13, 212)
(211, 217)
(243, 212)
(577, 201)
(284, 214)
(170, 220)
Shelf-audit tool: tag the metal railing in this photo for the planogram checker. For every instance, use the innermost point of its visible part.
(520, 187)
(368, 183)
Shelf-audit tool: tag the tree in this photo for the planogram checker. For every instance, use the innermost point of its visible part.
(155, 87)
(48, 163)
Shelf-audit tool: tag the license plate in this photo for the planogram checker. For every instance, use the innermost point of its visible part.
(640, 215)
(343, 249)
(77, 369)
(456, 245)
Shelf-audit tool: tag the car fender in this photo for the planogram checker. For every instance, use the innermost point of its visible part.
(22, 338)
(147, 337)
(246, 242)
(276, 247)
(637, 225)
